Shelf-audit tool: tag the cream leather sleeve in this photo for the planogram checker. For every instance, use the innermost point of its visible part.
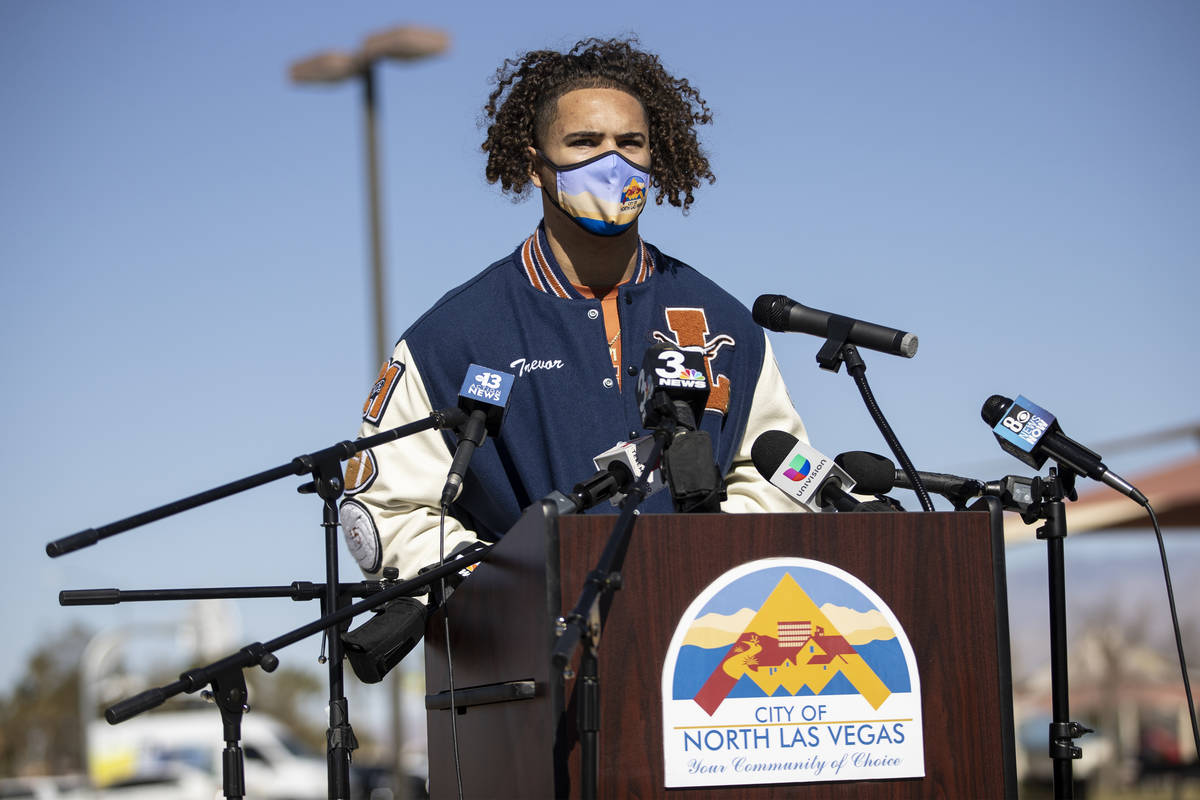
(390, 516)
(771, 409)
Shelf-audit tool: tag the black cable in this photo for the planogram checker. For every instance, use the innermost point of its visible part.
(1187, 686)
(449, 660)
(858, 370)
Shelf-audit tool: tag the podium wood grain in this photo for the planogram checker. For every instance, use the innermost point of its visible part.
(941, 574)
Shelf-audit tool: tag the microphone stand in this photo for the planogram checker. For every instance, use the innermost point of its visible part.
(325, 468)
(585, 622)
(298, 590)
(1047, 505)
(830, 357)
(226, 675)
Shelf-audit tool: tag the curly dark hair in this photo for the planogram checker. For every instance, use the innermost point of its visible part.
(522, 106)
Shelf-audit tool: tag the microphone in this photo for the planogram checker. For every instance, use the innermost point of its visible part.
(809, 478)
(484, 396)
(779, 313)
(673, 387)
(618, 468)
(383, 641)
(673, 384)
(949, 486)
(876, 474)
(395, 627)
(1030, 433)
(628, 460)
(872, 474)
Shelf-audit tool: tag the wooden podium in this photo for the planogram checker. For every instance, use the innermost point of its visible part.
(942, 574)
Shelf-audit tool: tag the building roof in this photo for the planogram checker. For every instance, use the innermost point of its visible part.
(1173, 491)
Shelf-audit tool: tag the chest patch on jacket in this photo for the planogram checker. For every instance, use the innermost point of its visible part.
(689, 328)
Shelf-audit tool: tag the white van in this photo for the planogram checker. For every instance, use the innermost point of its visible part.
(154, 745)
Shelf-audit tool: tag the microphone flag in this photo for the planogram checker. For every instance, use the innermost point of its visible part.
(679, 374)
(633, 455)
(802, 471)
(485, 389)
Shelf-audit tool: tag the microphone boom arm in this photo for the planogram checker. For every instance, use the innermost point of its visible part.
(857, 369)
(446, 418)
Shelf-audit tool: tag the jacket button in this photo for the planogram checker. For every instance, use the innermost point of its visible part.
(593, 313)
(631, 370)
(608, 382)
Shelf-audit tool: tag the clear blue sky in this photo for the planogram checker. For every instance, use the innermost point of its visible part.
(184, 280)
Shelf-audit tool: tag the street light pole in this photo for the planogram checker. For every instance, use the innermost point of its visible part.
(378, 289)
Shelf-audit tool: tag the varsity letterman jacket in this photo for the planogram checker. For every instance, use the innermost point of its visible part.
(522, 316)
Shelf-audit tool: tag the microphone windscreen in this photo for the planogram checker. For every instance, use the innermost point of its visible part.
(770, 311)
(994, 408)
(769, 450)
(872, 474)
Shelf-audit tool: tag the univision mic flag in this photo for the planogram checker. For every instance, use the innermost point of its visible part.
(790, 670)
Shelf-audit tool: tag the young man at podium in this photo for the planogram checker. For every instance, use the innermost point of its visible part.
(570, 314)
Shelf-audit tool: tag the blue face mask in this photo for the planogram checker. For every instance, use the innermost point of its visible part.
(604, 195)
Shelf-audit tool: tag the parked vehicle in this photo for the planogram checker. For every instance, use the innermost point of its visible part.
(186, 747)
(45, 787)
(176, 783)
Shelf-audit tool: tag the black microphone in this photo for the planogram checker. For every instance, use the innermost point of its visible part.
(876, 474)
(1029, 433)
(779, 313)
(395, 627)
(628, 460)
(952, 487)
(806, 476)
(383, 641)
(610, 482)
(618, 469)
(484, 395)
(673, 387)
(673, 384)
(872, 474)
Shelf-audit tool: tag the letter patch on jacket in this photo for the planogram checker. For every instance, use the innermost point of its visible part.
(690, 329)
(360, 472)
(381, 392)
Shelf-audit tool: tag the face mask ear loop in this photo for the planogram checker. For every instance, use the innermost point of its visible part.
(553, 200)
(539, 154)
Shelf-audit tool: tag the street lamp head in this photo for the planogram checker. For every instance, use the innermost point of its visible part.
(404, 43)
(331, 66)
